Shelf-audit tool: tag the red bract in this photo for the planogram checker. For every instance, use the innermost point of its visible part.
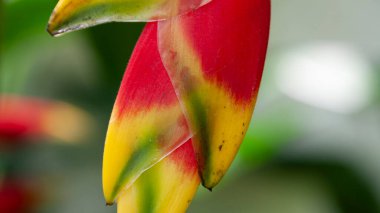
(215, 57)
(146, 123)
(148, 116)
(23, 118)
(20, 118)
(15, 197)
(197, 75)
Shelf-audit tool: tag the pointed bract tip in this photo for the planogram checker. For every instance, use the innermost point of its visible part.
(109, 203)
(50, 31)
(209, 188)
(55, 30)
(204, 184)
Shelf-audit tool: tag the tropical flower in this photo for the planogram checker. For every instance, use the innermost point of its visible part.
(25, 118)
(187, 96)
(16, 197)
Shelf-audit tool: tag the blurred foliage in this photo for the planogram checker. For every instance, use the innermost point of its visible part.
(294, 186)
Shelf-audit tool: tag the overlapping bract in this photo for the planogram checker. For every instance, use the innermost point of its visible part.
(169, 186)
(146, 123)
(195, 75)
(71, 15)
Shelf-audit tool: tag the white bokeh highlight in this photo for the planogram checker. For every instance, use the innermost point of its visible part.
(327, 75)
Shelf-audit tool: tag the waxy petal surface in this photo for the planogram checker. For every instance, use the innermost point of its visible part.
(215, 57)
(70, 15)
(169, 186)
(146, 124)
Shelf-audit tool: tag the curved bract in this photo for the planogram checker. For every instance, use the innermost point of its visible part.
(70, 15)
(169, 186)
(193, 74)
(146, 124)
(215, 57)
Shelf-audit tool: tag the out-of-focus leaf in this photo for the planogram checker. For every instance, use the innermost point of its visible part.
(272, 129)
(18, 22)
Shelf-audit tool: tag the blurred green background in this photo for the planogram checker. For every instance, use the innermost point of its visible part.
(313, 145)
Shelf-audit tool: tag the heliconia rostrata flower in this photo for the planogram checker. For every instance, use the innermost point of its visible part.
(187, 96)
